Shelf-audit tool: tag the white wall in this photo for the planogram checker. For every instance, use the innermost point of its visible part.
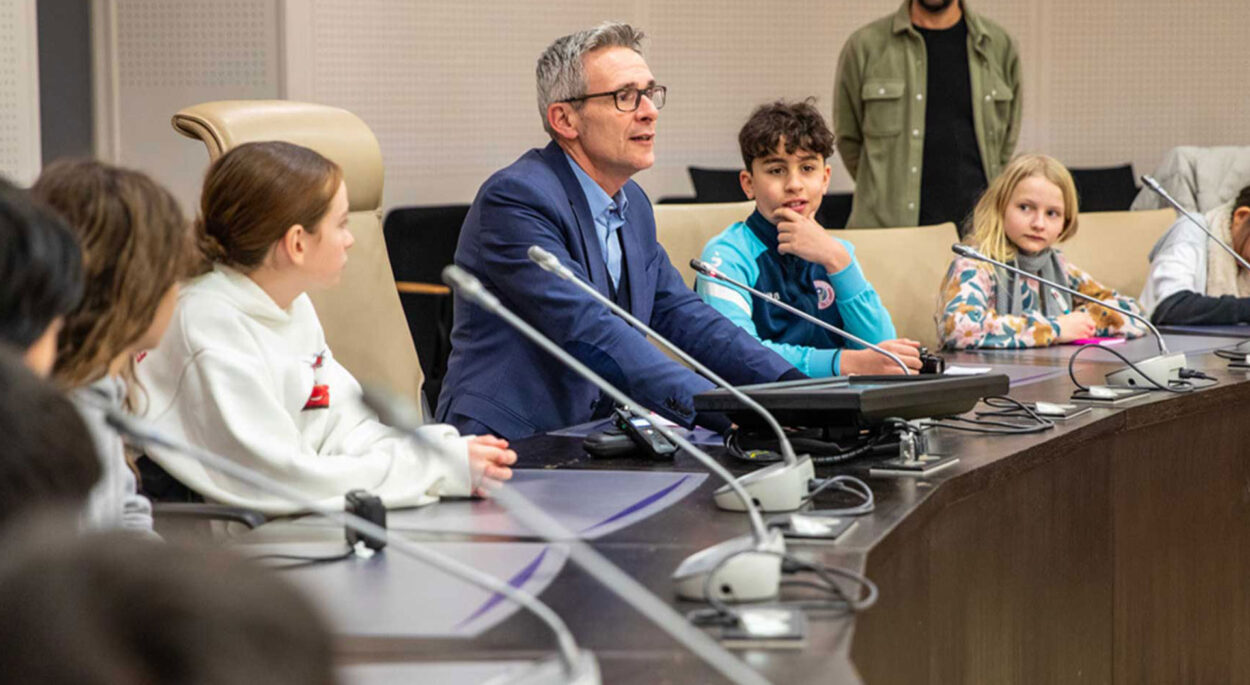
(19, 92)
(448, 87)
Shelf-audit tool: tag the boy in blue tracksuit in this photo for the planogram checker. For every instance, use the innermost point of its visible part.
(780, 249)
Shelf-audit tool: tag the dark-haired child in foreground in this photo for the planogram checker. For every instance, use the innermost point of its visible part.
(41, 277)
(781, 249)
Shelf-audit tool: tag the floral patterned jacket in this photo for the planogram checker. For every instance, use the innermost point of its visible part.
(967, 319)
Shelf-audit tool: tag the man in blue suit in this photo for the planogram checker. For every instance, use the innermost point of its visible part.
(574, 198)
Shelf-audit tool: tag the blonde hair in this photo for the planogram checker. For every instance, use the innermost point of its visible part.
(989, 235)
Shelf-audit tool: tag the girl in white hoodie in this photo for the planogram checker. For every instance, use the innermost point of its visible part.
(245, 370)
(136, 248)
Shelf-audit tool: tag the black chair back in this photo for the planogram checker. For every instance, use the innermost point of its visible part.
(420, 242)
(716, 185)
(1105, 189)
(834, 210)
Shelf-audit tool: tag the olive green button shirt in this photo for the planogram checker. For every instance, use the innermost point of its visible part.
(878, 111)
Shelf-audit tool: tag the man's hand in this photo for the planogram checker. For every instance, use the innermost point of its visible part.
(870, 363)
(802, 237)
(489, 459)
(1075, 326)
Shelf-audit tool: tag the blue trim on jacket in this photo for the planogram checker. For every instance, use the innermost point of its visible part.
(747, 252)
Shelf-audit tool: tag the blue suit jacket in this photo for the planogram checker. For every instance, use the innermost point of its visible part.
(499, 382)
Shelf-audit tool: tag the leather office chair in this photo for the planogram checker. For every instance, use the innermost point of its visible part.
(421, 242)
(683, 230)
(1114, 247)
(362, 317)
(835, 210)
(906, 267)
(716, 185)
(1105, 189)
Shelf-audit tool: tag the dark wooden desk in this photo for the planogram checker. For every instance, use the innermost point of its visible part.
(1114, 548)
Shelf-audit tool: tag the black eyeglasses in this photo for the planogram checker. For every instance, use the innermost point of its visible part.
(628, 98)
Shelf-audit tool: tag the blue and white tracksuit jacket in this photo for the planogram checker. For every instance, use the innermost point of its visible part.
(747, 252)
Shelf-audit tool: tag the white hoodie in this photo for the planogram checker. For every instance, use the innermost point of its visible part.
(242, 377)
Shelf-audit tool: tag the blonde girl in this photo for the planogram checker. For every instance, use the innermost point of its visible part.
(1026, 210)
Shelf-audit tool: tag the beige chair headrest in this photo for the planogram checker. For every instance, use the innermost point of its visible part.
(337, 134)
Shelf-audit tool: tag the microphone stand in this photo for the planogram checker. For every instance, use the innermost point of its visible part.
(1152, 184)
(576, 665)
(776, 487)
(398, 412)
(707, 270)
(1155, 371)
(737, 573)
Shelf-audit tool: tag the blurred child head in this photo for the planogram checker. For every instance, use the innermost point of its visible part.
(40, 277)
(114, 608)
(49, 458)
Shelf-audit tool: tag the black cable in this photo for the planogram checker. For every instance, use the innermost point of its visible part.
(822, 452)
(1038, 423)
(844, 483)
(868, 445)
(303, 560)
(1178, 387)
(721, 613)
(1233, 352)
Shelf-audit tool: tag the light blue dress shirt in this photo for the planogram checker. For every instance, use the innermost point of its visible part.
(609, 215)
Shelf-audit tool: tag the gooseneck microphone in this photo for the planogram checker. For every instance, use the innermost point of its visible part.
(1152, 184)
(708, 270)
(400, 413)
(777, 487)
(1160, 369)
(739, 575)
(578, 665)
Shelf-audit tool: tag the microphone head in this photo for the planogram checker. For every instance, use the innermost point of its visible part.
(701, 266)
(392, 409)
(540, 256)
(965, 251)
(548, 262)
(1149, 181)
(462, 282)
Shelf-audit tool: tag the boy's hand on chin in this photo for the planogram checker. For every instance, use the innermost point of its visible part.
(802, 237)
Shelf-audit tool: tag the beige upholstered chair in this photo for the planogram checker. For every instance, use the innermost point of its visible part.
(1114, 247)
(683, 230)
(906, 267)
(363, 319)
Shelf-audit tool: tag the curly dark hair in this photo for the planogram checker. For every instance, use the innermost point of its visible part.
(799, 123)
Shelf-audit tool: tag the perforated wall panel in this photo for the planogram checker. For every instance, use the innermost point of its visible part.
(19, 92)
(174, 53)
(1132, 80)
(448, 87)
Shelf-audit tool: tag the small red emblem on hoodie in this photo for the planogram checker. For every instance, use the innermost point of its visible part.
(320, 398)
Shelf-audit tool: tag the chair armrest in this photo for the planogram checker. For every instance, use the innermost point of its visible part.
(189, 510)
(422, 288)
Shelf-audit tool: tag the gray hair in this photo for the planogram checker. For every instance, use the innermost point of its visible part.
(560, 70)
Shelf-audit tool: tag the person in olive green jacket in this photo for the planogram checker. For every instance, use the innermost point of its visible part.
(926, 110)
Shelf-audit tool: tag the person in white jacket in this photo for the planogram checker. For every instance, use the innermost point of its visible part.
(1193, 280)
(135, 247)
(245, 371)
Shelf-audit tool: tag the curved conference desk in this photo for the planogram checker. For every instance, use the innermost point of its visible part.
(1113, 548)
